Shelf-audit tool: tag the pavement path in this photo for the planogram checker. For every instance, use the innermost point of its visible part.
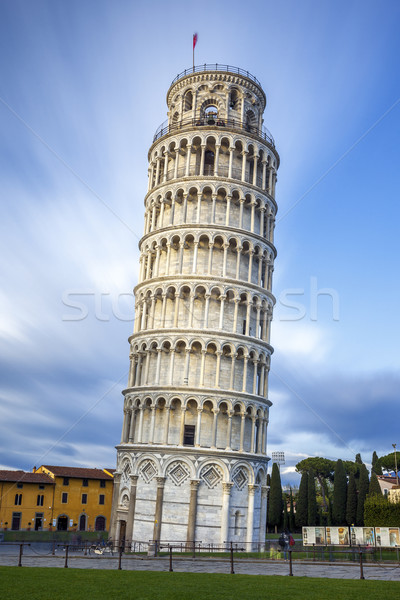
(32, 557)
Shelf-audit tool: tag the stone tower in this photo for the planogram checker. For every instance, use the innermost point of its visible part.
(192, 460)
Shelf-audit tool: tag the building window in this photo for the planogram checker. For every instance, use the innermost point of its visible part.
(41, 487)
(102, 483)
(66, 481)
(20, 485)
(100, 524)
(85, 482)
(101, 499)
(84, 498)
(18, 500)
(82, 523)
(40, 500)
(64, 498)
(188, 435)
(16, 521)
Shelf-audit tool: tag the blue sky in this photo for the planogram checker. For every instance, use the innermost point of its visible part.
(82, 92)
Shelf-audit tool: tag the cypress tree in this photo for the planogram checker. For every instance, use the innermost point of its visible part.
(311, 500)
(302, 502)
(292, 524)
(374, 487)
(275, 499)
(339, 494)
(285, 513)
(351, 506)
(362, 494)
(376, 467)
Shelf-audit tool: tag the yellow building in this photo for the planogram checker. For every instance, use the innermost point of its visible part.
(56, 498)
(82, 498)
(26, 500)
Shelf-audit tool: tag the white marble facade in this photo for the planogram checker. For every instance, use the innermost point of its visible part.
(192, 460)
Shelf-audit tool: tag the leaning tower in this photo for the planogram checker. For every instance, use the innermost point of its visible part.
(192, 460)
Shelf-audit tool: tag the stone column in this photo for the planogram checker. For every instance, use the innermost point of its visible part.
(226, 246)
(228, 210)
(241, 205)
(242, 424)
(229, 432)
(189, 150)
(125, 427)
(214, 429)
(152, 423)
(165, 167)
(244, 154)
(239, 251)
(216, 159)
(210, 256)
(231, 151)
(203, 150)
(255, 170)
(203, 359)
(214, 199)
(253, 430)
(250, 517)
(232, 378)
(191, 529)
(226, 494)
(221, 311)
(251, 253)
(132, 426)
(171, 366)
(166, 424)
(140, 433)
(218, 367)
(131, 512)
(198, 427)
(195, 253)
(182, 429)
(115, 500)
(184, 208)
(176, 163)
(263, 516)
(159, 507)
(158, 367)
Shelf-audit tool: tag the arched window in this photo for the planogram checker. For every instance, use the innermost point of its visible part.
(211, 114)
(188, 101)
(100, 524)
(82, 523)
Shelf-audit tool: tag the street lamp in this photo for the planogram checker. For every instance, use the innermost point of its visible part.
(395, 464)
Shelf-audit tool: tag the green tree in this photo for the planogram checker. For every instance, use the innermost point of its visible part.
(292, 523)
(339, 494)
(379, 512)
(275, 499)
(376, 467)
(285, 513)
(362, 494)
(323, 470)
(388, 462)
(374, 487)
(311, 500)
(351, 504)
(302, 502)
(358, 459)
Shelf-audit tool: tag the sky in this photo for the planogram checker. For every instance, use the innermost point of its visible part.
(82, 91)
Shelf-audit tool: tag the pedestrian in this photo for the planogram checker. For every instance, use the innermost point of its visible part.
(284, 542)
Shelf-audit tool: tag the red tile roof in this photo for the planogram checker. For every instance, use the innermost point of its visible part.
(79, 472)
(25, 477)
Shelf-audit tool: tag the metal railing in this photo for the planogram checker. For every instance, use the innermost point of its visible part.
(208, 121)
(216, 67)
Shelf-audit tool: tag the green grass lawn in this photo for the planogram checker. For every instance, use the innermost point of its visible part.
(73, 584)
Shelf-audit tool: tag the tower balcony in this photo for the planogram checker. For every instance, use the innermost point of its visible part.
(213, 120)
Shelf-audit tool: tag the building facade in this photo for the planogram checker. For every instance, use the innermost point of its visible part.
(192, 461)
(56, 498)
(82, 498)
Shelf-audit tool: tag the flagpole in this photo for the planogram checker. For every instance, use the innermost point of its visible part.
(194, 45)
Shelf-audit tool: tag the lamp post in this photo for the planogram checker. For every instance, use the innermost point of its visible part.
(395, 464)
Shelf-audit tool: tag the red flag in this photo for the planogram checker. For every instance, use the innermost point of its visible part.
(194, 40)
